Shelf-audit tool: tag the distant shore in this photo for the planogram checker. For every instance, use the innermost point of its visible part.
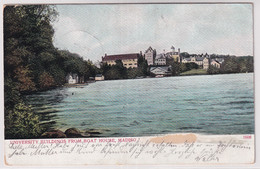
(193, 72)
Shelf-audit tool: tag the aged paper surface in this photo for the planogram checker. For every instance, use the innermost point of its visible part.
(151, 117)
(168, 149)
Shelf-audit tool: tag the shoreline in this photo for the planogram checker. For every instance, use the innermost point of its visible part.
(75, 85)
(150, 77)
(98, 133)
(81, 85)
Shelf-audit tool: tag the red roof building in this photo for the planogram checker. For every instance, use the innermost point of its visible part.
(129, 60)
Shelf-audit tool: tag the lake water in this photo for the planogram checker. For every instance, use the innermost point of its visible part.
(209, 104)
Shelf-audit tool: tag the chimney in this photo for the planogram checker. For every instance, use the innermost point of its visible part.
(105, 54)
(179, 50)
(141, 54)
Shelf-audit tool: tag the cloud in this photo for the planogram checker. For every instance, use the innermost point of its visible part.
(231, 45)
(127, 16)
(93, 30)
(66, 33)
(71, 35)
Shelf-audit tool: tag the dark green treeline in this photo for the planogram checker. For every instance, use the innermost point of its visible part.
(32, 63)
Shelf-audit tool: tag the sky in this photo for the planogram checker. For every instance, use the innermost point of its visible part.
(93, 30)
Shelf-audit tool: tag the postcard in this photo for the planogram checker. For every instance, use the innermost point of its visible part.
(129, 84)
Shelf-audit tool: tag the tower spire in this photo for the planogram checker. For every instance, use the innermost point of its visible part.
(173, 49)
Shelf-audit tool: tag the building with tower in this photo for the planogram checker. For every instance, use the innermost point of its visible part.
(150, 55)
(205, 63)
(174, 55)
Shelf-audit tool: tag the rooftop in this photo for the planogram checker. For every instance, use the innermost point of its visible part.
(121, 57)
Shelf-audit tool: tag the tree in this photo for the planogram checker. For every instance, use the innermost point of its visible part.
(11, 94)
(117, 71)
(21, 123)
(191, 65)
(250, 64)
(176, 69)
(142, 66)
(184, 55)
(58, 74)
(213, 70)
(246, 64)
(183, 67)
(28, 51)
(46, 81)
(132, 73)
(119, 67)
(113, 74)
(104, 69)
(230, 65)
(28, 43)
(90, 69)
(25, 82)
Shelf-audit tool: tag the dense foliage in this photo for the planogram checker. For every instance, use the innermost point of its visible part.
(231, 64)
(237, 65)
(213, 70)
(177, 68)
(21, 122)
(32, 63)
(234, 64)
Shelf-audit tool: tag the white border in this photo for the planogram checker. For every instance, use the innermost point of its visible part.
(256, 59)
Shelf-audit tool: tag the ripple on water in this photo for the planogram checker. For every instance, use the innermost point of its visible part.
(221, 104)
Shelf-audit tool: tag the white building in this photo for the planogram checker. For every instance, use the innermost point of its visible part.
(72, 78)
(197, 60)
(99, 77)
(205, 63)
(161, 71)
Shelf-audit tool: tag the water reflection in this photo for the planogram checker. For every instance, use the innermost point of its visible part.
(45, 103)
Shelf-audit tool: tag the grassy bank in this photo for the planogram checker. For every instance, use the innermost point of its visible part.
(195, 72)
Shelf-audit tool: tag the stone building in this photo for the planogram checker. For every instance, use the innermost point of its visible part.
(150, 55)
(160, 59)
